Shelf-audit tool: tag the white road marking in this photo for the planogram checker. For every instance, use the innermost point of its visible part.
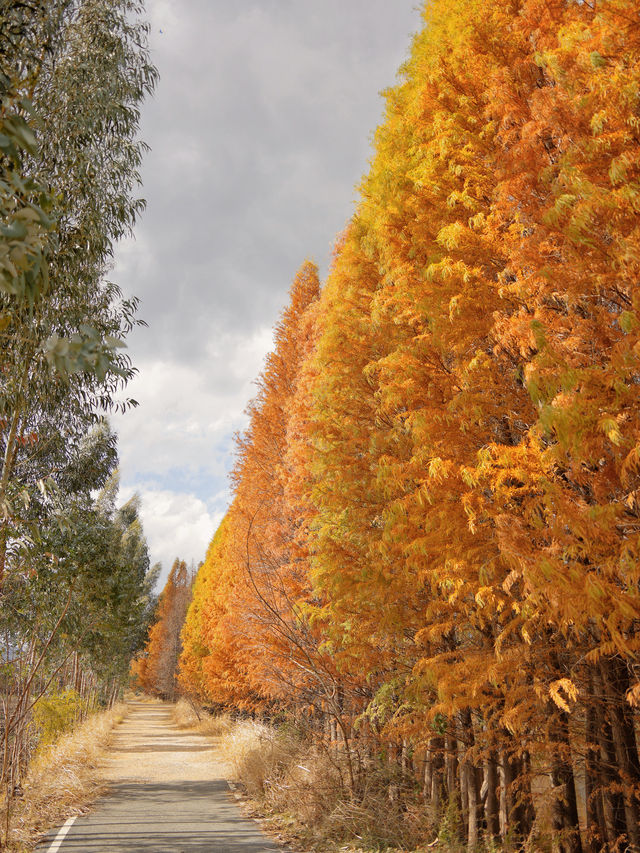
(57, 841)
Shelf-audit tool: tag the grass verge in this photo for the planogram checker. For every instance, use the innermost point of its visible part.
(62, 780)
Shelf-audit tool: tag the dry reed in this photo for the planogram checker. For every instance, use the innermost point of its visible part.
(185, 715)
(300, 784)
(62, 779)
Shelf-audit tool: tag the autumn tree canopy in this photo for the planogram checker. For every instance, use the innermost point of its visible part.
(434, 537)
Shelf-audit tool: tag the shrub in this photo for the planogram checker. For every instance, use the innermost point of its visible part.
(56, 713)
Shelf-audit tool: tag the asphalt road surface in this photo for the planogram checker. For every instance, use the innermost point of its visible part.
(167, 792)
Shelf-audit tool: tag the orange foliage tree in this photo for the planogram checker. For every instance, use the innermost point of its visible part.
(246, 635)
(156, 668)
(435, 529)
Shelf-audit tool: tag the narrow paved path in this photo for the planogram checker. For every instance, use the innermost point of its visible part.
(167, 793)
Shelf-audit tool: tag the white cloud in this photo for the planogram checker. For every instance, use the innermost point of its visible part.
(187, 413)
(175, 449)
(175, 525)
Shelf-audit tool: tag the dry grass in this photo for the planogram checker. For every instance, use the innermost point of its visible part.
(255, 755)
(62, 779)
(186, 715)
(301, 786)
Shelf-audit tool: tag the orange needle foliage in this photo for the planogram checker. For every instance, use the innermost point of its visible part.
(436, 529)
(246, 636)
(156, 669)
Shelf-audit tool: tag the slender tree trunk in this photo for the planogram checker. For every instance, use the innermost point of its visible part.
(428, 773)
(519, 817)
(474, 803)
(464, 799)
(616, 682)
(565, 807)
(437, 774)
(451, 763)
(596, 827)
(628, 786)
(9, 456)
(333, 727)
(452, 772)
(470, 794)
(613, 806)
(76, 673)
(347, 748)
(492, 802)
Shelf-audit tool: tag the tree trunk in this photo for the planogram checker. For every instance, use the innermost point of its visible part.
(471, 801)
(565, 806)
(613, 806)
(492, 803)
(451, 763)
(596, 827)
(428, 773)
(516, 790)
(615, 680)
(473, 794)
(437, 773)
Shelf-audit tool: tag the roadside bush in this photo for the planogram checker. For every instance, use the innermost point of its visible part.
(56, 713)
(301, 783)
(189, 715)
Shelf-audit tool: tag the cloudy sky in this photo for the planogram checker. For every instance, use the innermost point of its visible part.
(260, 129)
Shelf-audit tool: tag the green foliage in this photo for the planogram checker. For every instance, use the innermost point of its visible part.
(75, 588)
(73, 74)
(450, 829)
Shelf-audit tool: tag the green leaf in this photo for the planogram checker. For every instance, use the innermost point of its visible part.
(114, 343)
(88, 331)
(27, 105)
(15, 230)
(628, 321)
(21, 131)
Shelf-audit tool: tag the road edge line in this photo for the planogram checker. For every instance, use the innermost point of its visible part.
(57, 841)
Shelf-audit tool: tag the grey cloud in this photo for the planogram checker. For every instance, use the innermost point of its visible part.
(259, 130)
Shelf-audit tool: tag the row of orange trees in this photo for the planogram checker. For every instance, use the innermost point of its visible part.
(434, 540)
(155, 669)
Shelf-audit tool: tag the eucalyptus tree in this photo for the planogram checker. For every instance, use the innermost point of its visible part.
(78, 601)
(74, 574)
(81, 581)
(95, 573)
(73, 76)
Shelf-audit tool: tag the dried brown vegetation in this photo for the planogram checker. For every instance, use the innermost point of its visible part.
(299, 786)
(188, 715)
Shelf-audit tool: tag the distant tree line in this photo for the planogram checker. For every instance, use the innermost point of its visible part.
(155, 669)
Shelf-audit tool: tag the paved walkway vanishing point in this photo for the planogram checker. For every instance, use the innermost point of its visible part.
(167, 794)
